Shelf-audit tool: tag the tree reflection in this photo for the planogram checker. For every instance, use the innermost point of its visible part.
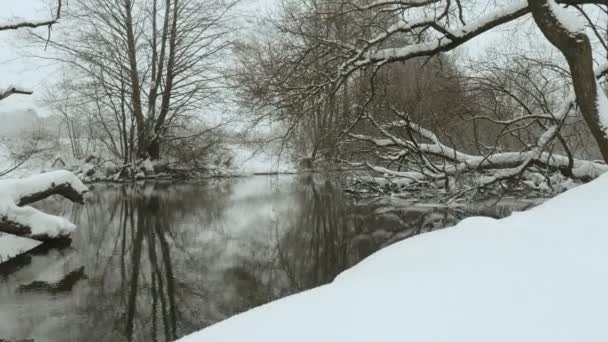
(327, 232)
(138, 234)
(314, 249)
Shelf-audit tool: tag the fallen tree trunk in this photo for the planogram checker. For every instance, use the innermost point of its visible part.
(20, 220)
(432, 160)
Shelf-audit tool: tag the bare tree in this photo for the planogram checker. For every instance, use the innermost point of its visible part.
(145, 68)
(387, 33)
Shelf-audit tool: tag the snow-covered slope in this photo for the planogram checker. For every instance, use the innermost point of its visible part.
(536, 276)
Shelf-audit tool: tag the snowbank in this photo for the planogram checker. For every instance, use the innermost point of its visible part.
(539, 275)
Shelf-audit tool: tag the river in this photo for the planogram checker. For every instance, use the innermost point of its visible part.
(156, 261)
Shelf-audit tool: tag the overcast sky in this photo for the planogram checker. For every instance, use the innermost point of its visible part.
(17, 70)
(35, 74)
(27, 72)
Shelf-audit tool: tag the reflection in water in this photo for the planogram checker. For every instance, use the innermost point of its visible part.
(157, 261)
(64, 285)
(315, 247)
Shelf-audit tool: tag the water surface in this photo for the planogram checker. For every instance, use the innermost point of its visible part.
(156, 261)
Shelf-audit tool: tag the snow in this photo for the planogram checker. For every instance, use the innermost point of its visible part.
(148, 166)
(581, 168)
(539, 275)
(20, 21)
(602, 107)
(11, 246)
(392, 3)
(12, 89)
(18, 188)
(40, 224)
(501, 12)
(569, 20)
(466, 32)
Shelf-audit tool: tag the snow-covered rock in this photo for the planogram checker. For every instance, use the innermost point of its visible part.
(539, 275)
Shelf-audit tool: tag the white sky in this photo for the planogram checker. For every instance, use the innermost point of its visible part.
(18, 70)
(34, 73)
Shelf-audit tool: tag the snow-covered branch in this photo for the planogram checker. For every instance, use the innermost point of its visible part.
(32, 223)
(15, 25)
(448, 37)
(438, 160)
(12, 90)
(425, 157)
(19, 24)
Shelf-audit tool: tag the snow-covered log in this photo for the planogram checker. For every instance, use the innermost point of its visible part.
(17, 219)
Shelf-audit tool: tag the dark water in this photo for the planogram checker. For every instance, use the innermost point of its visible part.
(157, 261)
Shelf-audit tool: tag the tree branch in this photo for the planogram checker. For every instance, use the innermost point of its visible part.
(12, 90)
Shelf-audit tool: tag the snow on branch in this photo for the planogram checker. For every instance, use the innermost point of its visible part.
(433, 159)
(460, 162)
(448, 38)
(444, 42)
(18, 24)
(12, 90)
(398, 4)
(15, 25)
(32, 223)
(567, 20)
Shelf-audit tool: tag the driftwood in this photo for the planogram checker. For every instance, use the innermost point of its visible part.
(18, 219)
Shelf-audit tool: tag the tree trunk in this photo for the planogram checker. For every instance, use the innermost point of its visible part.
(154, 149)
(576, 48)
(135, 84)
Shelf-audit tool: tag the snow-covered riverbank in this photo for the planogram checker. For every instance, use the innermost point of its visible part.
(539, 275)
(244, 161)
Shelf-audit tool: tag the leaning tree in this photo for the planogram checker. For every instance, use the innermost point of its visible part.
(389, 33)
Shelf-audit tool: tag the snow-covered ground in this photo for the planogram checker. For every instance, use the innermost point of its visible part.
(539, 275)
(248, 160)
